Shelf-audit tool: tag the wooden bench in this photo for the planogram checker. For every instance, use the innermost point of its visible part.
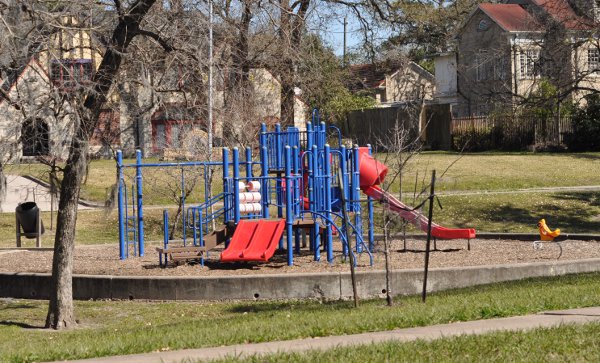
(177, 254)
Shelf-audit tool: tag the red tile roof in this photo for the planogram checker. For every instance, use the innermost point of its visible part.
(367, 76)
(561, 11)
(511, 17)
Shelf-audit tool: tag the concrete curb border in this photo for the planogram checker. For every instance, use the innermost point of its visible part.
(283, 286)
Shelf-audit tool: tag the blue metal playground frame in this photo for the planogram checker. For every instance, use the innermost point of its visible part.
(300, 176)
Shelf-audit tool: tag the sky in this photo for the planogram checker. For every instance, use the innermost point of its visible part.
(333, 33)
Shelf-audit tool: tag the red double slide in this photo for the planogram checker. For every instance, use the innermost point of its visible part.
(372, 173)
(254, 240)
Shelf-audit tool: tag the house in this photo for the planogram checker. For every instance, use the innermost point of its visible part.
(34, 118)
(36, 121)
(173, 120)
(400, 82)
(504, 52)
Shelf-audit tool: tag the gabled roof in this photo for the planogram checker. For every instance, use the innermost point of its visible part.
(511, 17)
(367, 76)
(562, 12)
(370, 76)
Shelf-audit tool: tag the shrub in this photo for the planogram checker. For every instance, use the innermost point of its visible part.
(586, 127)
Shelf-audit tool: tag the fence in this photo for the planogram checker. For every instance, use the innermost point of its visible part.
(479, 133)
(376, 126)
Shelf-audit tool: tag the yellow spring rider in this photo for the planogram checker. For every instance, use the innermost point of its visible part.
(545, 233)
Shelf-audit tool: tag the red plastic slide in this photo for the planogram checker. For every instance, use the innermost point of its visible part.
(254, 240)
(372, 173)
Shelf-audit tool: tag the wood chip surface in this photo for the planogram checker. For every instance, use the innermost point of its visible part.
(104, 259)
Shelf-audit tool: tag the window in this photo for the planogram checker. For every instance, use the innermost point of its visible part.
(70, 73)
(482, 66)
(593, 59)
(528, 60)
(501, 68)
(108, 129)
(490, 68)
(160, 136)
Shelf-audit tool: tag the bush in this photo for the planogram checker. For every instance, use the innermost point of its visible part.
(586, 127)
(473, 140)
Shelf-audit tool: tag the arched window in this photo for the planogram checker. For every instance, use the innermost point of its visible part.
(35, 138)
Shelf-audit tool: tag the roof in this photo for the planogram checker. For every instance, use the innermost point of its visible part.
(562, 12)
(367, 76)
(511, 17)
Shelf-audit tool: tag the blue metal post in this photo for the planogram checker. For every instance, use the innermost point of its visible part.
(183, 214)
(226, 190)
(309, 136)
(297, 195)
(263, 135)
(296, 181)
(140, 204)
(316, 232)
(248, 164)
(328, 233)
(356, 197)
(310, 190)
(165, 236)
(201, 236)
(236, 186)
(265, 193)
(346, 190)
(166, 228)
(315, 195)
(122, 220)
(322, 135)
(371, 217)
(278, 147)
(289, 218)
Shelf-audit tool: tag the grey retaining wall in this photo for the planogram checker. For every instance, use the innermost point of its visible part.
(282, 286)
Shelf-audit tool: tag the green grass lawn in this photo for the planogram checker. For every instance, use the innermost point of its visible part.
(572, 212)
(125, 327)
(475, 171)
(498, 171)
(570, 343)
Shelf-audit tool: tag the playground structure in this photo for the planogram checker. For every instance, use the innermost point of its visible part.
(299, 186)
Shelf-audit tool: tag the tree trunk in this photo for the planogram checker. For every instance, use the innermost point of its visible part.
(60, 310)
(287, 94)
(290, 33)
(388, 262)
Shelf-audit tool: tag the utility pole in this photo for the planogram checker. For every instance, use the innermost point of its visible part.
(210, 79)
(344, 54)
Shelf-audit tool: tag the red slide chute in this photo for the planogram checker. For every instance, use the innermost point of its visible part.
(372, 173)
(254, 240)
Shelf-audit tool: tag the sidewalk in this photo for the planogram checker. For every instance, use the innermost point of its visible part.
(20, 189)
(527, 322)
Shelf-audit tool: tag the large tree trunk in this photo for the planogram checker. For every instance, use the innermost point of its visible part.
(238, 97)
(290, 33)
(60, 310)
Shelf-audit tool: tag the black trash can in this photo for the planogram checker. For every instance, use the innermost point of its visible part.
(27, 215)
